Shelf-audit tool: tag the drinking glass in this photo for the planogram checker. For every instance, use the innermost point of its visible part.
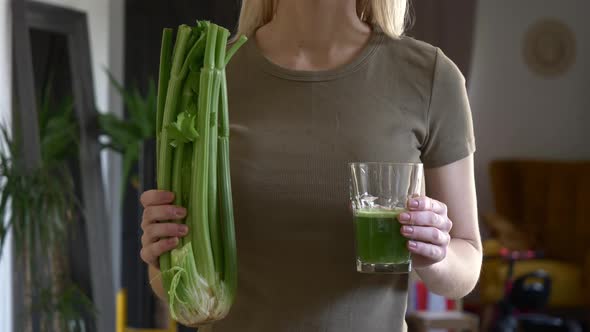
(379, 192)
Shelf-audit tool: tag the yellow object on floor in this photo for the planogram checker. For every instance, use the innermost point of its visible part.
(122, 317)
(566, 280)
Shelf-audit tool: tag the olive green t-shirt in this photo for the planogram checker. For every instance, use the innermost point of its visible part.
(292, 135)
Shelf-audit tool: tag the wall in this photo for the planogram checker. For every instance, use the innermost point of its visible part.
(5, 106)
(517, 114)
(448, 25)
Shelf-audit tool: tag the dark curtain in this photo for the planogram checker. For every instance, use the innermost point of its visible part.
(448, 25)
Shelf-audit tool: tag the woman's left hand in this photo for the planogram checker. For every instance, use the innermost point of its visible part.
(427, 226)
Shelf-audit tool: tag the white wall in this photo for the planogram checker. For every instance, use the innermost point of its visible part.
(516, 113)
(5, 106)
(113, 175)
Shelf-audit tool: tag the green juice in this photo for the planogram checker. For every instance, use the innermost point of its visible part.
(378, 237)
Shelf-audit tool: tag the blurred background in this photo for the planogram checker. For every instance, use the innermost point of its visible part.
(77, 103)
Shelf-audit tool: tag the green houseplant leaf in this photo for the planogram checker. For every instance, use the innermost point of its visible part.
(127, 135)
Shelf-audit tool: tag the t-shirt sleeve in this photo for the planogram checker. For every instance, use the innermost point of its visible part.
(450, 126)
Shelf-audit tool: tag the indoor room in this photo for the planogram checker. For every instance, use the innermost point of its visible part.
(294, 165)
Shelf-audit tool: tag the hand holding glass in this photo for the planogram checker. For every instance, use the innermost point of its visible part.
(379, 192)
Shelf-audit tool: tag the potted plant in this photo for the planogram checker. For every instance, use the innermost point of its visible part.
(38, 205)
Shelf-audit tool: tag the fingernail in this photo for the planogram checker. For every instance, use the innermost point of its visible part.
(183, 230)
(408, 229)
(414, 203)
(180, 212)
(404, 217)
(169, 195)
(173, 240)
(412, 244)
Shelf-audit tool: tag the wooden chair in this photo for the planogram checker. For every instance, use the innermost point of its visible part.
(541, 205)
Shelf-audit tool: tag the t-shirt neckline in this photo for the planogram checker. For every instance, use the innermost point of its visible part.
(322, 75)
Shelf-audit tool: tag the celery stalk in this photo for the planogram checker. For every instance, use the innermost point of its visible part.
(163, 78)
(214, 222)
(169, 114)
(200, 275)
(234, 48)
(230, 264)
(201, 242)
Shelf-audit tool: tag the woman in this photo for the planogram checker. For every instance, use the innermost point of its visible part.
(319, 84)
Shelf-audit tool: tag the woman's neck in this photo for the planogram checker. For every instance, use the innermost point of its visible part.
(313, 34)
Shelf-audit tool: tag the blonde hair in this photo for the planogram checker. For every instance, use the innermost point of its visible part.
(389, 15)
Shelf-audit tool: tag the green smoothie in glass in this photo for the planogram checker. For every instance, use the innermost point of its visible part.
(378, 236)
(378, 193)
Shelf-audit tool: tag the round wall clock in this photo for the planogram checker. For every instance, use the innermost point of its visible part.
(549, 48)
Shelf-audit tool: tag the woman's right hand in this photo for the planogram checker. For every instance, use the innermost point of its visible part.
(158, 237)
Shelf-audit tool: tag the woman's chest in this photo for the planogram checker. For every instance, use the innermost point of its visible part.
(292, 143)
(328, 123)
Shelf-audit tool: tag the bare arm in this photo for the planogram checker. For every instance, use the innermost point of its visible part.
(457, 274)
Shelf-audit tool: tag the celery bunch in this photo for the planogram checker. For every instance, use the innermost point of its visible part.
(192, 126)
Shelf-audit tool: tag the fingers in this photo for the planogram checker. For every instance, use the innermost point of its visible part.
(152, 214)
(154, 232)
(427, 204)
(426, 234)
(427, 227)
(156, 197)
(430, 251)
(152, 252)
(159, 238)
(426, 218)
